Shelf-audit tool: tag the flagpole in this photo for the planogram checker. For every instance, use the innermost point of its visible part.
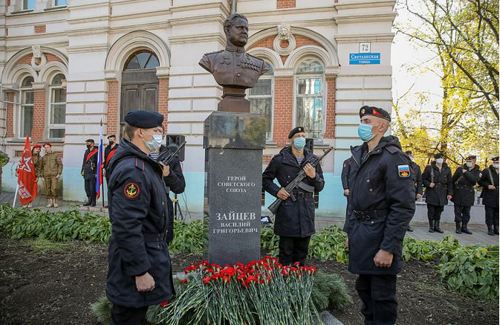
(15, 196)
(102, 189)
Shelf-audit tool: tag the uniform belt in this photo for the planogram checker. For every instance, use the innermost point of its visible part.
(299, 193)
(155, 237)
(370, 215)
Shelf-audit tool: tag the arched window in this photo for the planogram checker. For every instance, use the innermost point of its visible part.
(310, 92)
(139, 89)
(57, 107)
(27, 105)
(29, 4)
(261, 99)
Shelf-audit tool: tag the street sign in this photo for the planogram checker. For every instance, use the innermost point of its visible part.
(364, 58)
(365, 47)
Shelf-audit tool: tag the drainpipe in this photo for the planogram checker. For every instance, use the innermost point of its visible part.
(233, 6)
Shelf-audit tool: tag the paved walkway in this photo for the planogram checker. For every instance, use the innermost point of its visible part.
(479, 232)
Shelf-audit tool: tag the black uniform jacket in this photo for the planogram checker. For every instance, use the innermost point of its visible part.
(139, 217)
(417, 177)
(489, 176)
(293, 218)
(382, 201)
(346, 168)
(89, 166)
(464, 180)
(444, 184)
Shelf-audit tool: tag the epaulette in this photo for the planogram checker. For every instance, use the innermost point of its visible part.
(139, 164)
(392, 149)
(214, 52)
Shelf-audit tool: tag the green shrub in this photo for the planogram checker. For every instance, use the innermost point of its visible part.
(189, 237)
(330, 292)
(329, 244)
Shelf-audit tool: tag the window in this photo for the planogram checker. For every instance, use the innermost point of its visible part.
(261, 99)
(142, 60)
(29, 4)
(59, 3)
(310, 97)
(57, 108)
(27, 105)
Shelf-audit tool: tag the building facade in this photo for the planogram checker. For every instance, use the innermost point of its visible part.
(67, 65)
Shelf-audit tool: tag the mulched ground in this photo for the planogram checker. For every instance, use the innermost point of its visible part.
(54, 283)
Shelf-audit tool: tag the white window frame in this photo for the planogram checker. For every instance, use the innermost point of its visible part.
(25, 5)
(269, 137)
(51, 126)
(22, 95)
(323, 94)
(57, 5)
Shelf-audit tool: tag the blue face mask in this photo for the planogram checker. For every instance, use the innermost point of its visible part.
(155, 143)
(299, 143)
(365, 132)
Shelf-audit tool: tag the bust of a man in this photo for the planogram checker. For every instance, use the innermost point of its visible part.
(232, 67)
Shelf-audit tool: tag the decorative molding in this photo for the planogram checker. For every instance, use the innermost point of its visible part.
(356, 38)
(265, 53)
(284, 34)
(303, 51)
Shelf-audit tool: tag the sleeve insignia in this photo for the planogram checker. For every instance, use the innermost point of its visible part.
(131, 191)
(404, 171)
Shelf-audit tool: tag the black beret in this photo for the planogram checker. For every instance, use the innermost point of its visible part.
(470, 157)
(90, 140)
(295, 131)
(494, 158)
(374, 111)
(144, 119)
(438, 155)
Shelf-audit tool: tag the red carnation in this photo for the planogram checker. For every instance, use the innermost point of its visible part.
(164, 304)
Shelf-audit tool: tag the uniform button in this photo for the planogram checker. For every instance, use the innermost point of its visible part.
(371, 190)
(372, 222)
(238, 74)
(368, 181)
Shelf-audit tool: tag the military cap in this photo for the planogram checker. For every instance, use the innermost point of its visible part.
(374, 111)
(47, 144)
(494, 158)
(438, 155)
(90, 140)
(471, 157)
(144, 119)
(295, 131)
(111, 136)
(37, 146)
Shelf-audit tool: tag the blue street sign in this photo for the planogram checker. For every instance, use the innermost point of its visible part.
(364, 58)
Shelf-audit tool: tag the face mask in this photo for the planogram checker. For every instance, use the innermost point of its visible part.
(299, 143)
(89, 146)
(469, 164)
(495, 165)
(111, 142)
(439, 161)
(365, 132)
(155, 143)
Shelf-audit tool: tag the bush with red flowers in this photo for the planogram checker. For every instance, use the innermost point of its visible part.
(260, 292)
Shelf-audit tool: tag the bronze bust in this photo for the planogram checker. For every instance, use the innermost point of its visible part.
(232, 68)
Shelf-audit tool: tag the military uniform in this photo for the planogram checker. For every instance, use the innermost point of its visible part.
(436, 197)
(51, 169)
(89, 170)
(139, 216)
(109, 152)
(346, 170)
(417, 178)
(489, 176)
(294, 219)
(464, 179)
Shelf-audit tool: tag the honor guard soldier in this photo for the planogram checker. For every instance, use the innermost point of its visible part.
(438, 185)
(464, 179)
(51, 170)
(89, 170)
(489, 182)
(417, 179)
(295, 216)
(140, 271)
(382, 203)
(346, 169)
(109, 152)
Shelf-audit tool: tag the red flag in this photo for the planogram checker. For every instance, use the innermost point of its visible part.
(26, 176)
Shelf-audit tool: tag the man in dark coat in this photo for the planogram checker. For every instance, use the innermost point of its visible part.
(89, 170)
(346, 169)
(438, 190)
(417, 179)
(140, 272)
(382, 199)
(489, 182)
(464, 180)
(109, 152)
(295, 216)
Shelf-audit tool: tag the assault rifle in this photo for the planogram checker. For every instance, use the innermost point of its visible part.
(297, 181)
(166, 157)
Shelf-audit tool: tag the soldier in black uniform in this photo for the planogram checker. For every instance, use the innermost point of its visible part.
(464, 180)
(140, 272)
(489, 182)
(295, 216)
(417, 179)
(382, 198)
(438, 190)
(89, 169)
(346, 169)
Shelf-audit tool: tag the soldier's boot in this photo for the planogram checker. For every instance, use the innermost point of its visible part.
(49, 203)
(436, 227)
(466, 230)
(495, 229)
(86, 204)
(458, 228)
(431, 225)
(490, 230)
(55, 205)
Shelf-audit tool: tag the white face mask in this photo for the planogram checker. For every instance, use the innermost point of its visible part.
(495, 165)
(469, 164)
(155, 143)
(439, 161)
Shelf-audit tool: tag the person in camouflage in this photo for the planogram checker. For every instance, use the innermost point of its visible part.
(51, 169)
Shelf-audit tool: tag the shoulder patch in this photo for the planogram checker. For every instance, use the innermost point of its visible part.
(404, 171)
(131, 190)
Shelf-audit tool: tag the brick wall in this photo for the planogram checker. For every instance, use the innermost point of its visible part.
(284, 4)
(283, 107)
(330, 107)
(113, 114)
(27, 58)
(9, 96)
(40, 29)
(163, 100)
(39, 117)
